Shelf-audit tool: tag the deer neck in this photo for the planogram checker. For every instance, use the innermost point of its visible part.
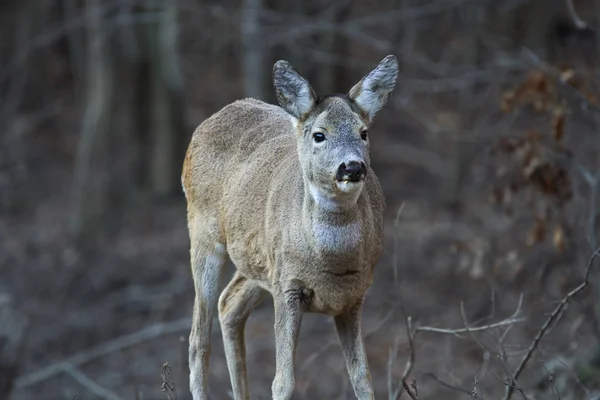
(332, 221)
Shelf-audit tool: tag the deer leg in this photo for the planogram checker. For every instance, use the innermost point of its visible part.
(237, 301)
(348, 326)
(207, 264)
(289, 305)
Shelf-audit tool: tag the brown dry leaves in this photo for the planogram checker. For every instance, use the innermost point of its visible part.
(558, 239)
(537, 233)
(534, 151)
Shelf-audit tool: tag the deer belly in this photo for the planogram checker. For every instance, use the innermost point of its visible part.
(338, 291)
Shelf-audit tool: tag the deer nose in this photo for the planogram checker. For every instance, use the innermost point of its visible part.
(354, 171)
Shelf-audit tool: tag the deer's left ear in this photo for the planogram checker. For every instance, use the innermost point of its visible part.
(373, 91)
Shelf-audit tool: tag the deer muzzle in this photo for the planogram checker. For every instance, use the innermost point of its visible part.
(353, 171)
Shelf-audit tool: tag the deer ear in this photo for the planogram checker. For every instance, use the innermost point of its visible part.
(293, 92)
(373, 91)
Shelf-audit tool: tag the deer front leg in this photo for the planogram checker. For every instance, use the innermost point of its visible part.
(289, 304)
(348, 326)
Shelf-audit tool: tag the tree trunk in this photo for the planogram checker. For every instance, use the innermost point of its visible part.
(293, 50)
(342, 76)
(13, 143)
(12, 339)
(125, 145)
(531, 25)
(89, 196)
(75, 45)
(333, 44)
(473, 18)
(255, 71)
(167, 105)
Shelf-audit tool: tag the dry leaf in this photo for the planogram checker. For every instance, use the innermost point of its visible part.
(591, 97)
(533, 136)
(537, 81)
(558, 239)
(507, 101)
(531, 164)
(537, 232)
(558, 125)
(568, 76)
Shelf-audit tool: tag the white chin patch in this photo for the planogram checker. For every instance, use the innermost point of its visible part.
(349, 186)
(346, 196)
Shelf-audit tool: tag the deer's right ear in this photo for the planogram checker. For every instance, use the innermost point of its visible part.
(294, 93)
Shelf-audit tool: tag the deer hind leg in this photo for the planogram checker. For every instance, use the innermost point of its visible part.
(237, 301)
(208, 256)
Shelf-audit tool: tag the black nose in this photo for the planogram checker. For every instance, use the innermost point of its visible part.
(354, 171)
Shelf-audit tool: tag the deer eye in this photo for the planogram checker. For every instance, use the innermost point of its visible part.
(318, 137)
(364, 134)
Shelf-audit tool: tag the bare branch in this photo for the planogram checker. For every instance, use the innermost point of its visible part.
(459, 82)
(353, 28)
(509, 321)
(396, 222)
(89, 384)
(474, 395)
(103, 349)
(545, 327)
(579, 23)
(482, 370)
(570, 93)
(551, 379)
(515, 386)
(168, 386)
(412, 392)
(395, 393)
(411, 342)
(13, 336)
(447, 385)
(412, 13)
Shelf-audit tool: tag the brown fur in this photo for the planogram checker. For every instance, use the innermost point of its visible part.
(247, 177)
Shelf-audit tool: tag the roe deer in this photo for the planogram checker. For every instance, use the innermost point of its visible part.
(288, 194)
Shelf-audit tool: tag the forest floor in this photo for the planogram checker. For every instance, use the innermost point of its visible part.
(137, 276)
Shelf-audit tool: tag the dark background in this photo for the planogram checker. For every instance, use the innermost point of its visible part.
(490, 142)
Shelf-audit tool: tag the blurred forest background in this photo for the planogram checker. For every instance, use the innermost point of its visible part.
(489, 147)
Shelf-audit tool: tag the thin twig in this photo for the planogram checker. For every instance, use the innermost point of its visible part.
(447, 385)
(411, 341)
(509, 321)
(588, 109)
(474, 393)
(579, 23)
(353, 28)
(551, 379)
(549, 321)
(168, 386)
(101, 350)
(395, 394)
(514, 386)
(568, 366)
(393, 353)
(396, 223)
(411, 358)
(483, 369)
(413, 393)
(89, 384)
